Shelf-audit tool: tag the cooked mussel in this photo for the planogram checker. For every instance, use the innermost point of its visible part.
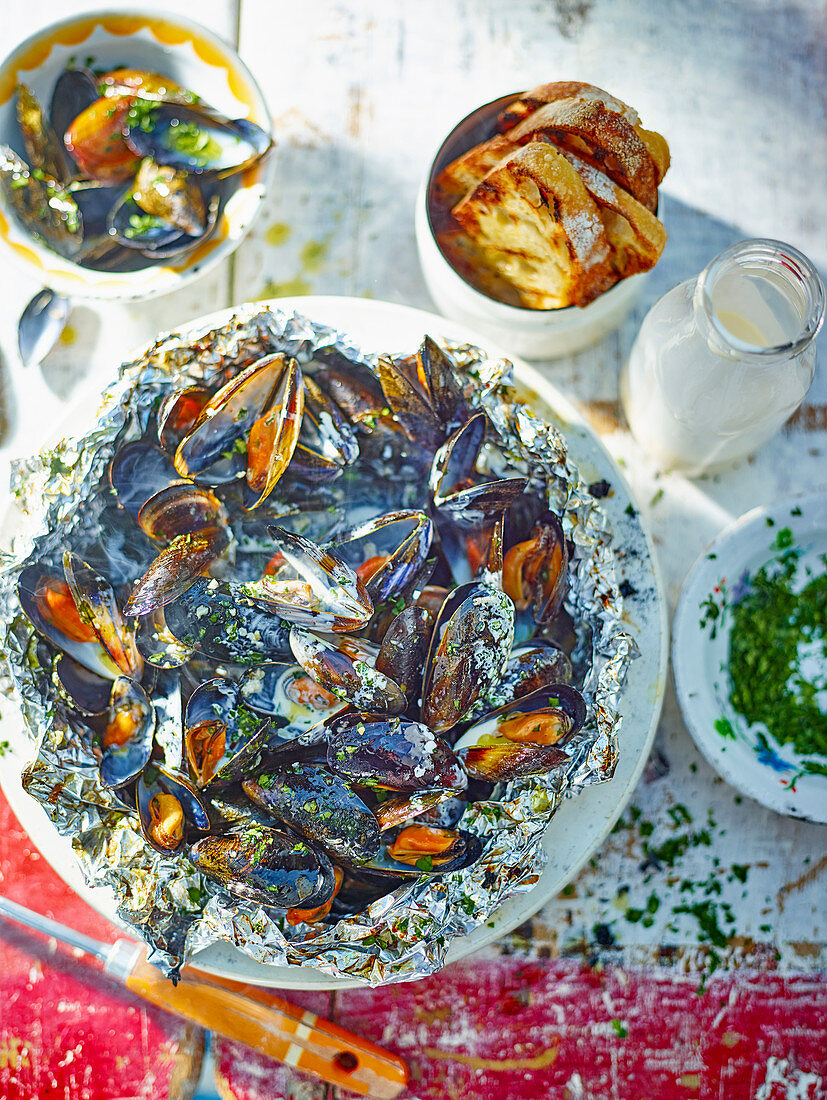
(311, 587)
(470, 645)
(195, 141)
(248, 428)
(287, 692)
(97, 608)
(520, 738)
(388, 553)
(266, 866)
(178, 413)
(168, 808)
(43, 207)
(389, 752)
(223, 739)
(180, 509)
(74, 91)
(83, 690)
(425, 849)
(321, 806)
(175, 569)
(345, 666)
(43, 149)
(535, 571)
(96, 143)
(126, 740)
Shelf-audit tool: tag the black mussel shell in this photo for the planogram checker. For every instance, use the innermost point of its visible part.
(216, 618)
(74, 91)
(321, 806)
(84, 691)
(287, 692)
(394, 753)
(188, 138)
(224, 740)
(464, 851)
(178, 413)
(345, 667)
(266, 866)
(176, 568)
(404, 648)
(180, 509)
(137, 472)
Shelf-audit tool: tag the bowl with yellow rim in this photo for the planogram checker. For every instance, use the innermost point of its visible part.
(180, 50)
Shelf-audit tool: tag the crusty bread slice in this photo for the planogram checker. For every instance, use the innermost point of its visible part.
(601, 137)
(464, 173)
(562, 89)
(539, 229)
(636, 237)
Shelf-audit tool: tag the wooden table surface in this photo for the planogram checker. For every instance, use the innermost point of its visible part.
(687, 960)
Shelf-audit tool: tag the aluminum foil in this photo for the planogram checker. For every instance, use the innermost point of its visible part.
(404, 935)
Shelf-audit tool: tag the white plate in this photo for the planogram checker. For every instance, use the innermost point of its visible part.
(584, 821)
(746, 756)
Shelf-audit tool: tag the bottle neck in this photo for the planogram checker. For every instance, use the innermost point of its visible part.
(760, 301)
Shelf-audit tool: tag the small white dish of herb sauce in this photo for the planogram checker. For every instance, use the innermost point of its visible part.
(749, 655)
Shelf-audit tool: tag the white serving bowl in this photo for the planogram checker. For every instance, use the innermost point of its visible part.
(534, 333)
(180, 49)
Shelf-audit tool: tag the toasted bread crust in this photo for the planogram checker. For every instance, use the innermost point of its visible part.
(521, 108)
(636, 237)
(539, 228)
(464, 173)
(598, 135)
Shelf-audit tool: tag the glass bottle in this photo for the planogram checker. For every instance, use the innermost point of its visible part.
(723, 360)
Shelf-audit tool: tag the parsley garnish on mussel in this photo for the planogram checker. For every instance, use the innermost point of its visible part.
(125, 169)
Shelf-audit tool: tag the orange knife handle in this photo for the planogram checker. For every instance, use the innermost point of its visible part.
(273, 1027)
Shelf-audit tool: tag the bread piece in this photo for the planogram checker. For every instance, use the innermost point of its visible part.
(636, 237)
(521, 108)
(538, 229)
(601, 137)
(464, 173)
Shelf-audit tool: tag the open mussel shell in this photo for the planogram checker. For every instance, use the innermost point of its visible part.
(351, 385)
(224, 740)
(155, 237)
(195, 141)
(42, 206)
(179, 509)
(321, 806)
(346, 667)
(176, 568)
(74, 91)
(221, 622)
(178, 413)
(443, 384)
(523, 737)
(287, 692)
(386, 751)
(469, 650)
(249, 426)
(168, 808)
(454, 464)
(169, 194)
(267, 866)
(98, 608)
(535, 571)
(138, 471)
(389, 553)
(325, 430)
(84, 691)
(312, 588)
(47, 602)
(44, 150)
(126, 741)
(410, 402)
(457, 849)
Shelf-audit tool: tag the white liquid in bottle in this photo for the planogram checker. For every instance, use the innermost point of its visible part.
(720, 362)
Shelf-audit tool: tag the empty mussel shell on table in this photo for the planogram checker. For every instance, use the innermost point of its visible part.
(267, 866)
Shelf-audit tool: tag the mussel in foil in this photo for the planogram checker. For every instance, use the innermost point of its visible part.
(294, 658)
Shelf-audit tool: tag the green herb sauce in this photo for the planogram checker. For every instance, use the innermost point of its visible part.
(778, 653)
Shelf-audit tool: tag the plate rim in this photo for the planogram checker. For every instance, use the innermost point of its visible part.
(683, 631)
(504, 919)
